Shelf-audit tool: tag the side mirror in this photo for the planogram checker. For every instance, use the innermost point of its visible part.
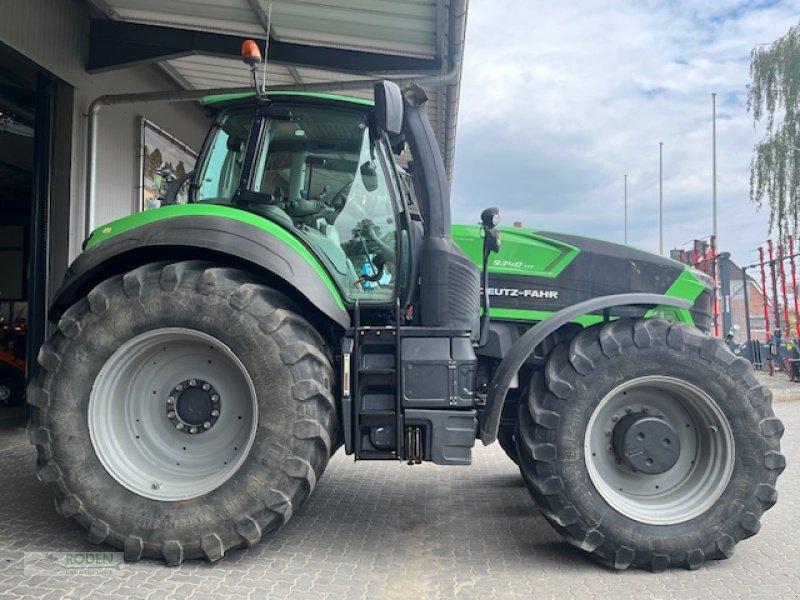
(369, 176)
(490, 218)
(388, 106)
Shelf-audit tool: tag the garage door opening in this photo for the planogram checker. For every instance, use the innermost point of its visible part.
(20, 99)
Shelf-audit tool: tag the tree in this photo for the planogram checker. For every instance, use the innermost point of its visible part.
(152, 162)
(774, 95)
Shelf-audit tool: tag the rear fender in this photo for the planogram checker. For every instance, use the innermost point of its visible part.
(265, 249)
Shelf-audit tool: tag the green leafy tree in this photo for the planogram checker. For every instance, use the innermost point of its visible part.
(774, 96)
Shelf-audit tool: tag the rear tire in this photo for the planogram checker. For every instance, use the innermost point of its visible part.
(106, 432)
(669, 376)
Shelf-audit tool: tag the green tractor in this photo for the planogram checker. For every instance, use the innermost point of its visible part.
(208, 358)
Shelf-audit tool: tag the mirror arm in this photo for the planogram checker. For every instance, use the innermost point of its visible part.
(491, 243)
(171, 195)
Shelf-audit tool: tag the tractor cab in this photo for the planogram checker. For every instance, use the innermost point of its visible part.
(318, 167)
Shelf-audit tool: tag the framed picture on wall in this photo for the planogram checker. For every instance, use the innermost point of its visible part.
(164, 158)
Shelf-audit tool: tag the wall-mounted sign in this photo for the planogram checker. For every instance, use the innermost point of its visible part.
(164, 159)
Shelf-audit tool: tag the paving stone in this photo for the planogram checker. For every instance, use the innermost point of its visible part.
(387, 530)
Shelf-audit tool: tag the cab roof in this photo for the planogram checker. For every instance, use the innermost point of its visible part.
(225, 98)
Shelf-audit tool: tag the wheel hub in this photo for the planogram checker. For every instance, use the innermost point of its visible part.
(646, 444)
(193, 406)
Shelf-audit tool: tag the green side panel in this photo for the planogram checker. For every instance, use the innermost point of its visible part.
(514, 314)
(216, 99)
(108, 231)
(670, 313)
(522, 251)
(662, 312)
(686, 286)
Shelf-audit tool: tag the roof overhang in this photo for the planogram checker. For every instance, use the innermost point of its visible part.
(339, 46)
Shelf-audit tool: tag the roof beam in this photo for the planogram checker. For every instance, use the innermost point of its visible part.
(269, 31)
(117, 44)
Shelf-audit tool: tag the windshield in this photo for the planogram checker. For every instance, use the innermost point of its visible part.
(318, 172)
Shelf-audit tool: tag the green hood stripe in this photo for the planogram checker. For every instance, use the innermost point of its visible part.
(125, 224)
(517, 314)
(686, 285)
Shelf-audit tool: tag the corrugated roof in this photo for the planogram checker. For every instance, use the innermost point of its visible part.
(427, 29)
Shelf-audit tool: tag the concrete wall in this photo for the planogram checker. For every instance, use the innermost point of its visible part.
(119, 137)
(54, 34)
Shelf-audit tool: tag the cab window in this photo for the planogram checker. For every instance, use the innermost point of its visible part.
(218, 176)
(318, 172)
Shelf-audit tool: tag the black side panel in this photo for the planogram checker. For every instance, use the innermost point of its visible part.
(600, 269)
(449, 286)
(200, 237)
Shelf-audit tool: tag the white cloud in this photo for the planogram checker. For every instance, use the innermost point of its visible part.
(560, 99)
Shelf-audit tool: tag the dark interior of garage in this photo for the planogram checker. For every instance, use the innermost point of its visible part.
(18, 84)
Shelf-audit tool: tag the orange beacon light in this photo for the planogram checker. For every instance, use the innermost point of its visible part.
(251, 54)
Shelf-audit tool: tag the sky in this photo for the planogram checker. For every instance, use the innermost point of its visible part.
(559, 100)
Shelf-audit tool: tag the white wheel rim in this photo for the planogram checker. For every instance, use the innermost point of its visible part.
(129, 424)
(702, 471)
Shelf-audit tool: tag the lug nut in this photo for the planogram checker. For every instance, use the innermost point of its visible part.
(155, 485)
(615, 418)
(608, 433)
(206, 425)
(171, 414)
(192, 382)
(179, 387)
(214, 398)
(171, 400)
(206, 387)
(193, 430)
(628, 409)
(179, 426)
(215, 413)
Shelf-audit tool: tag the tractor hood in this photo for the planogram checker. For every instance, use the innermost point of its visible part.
(539, 272)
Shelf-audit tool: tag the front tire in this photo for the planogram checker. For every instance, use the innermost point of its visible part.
(506, 437)
(649, 445)
(182, 411)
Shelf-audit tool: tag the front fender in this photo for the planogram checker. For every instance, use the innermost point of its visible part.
(233, 236)
(526, 344)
